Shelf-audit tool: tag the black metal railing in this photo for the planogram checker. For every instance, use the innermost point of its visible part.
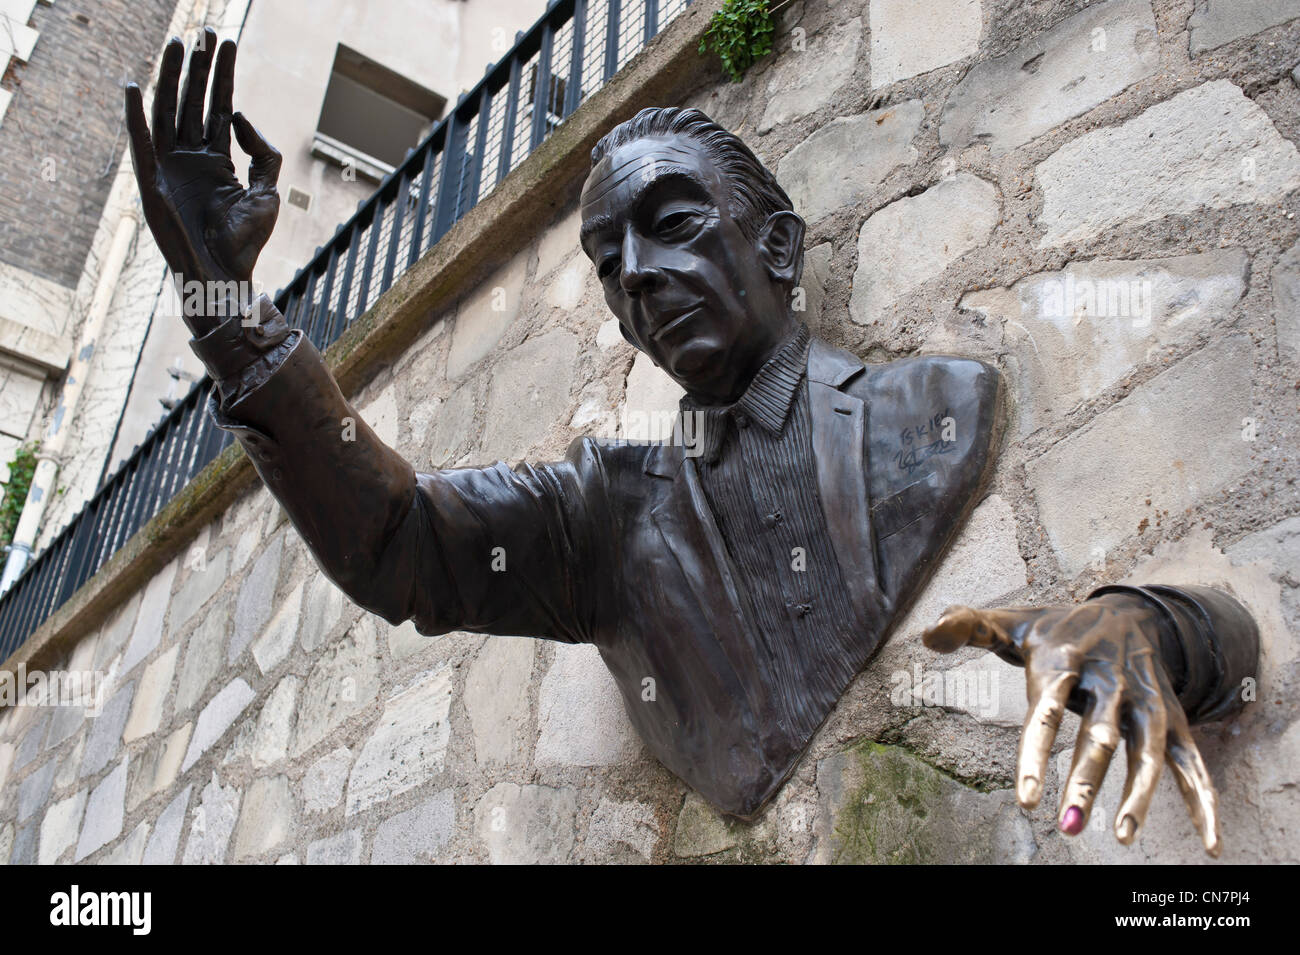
(572, 51)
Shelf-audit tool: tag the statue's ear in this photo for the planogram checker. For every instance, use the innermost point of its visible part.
(780, 245)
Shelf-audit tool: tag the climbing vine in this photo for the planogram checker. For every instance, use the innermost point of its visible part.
(740, 34)
(21, 470)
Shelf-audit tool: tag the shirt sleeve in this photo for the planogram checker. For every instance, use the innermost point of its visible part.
(490, 550)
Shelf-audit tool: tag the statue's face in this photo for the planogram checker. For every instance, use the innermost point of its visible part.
(703, 301)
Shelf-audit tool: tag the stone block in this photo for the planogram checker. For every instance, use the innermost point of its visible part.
(343, 682)
(270, 742)
(1209, 147)
(407, 746)
(803, 81)
(526, 825)
(907, 40)
(616, 825)
(485, 315)
(416, 836)
(1052, 77)
(151, 695)
(1172, 442)
(842, 161)
(342, 849)
(322, 609)
(266, 819)
(496, 699)
(212, 823)
(222, 711)
(105, 737)
(205, 579)
(1072, 334)
(149, 621)
(131, 849)
(205, 656)
(913, 240)
(157, 767)
(256, 600)
(270, 649)
(580, 715)
(104, 812)
(1216, 22)
(529, 394)
(1286, 304)
(701, 830)
(166, 837)
(322, 784)
(881, 804)
(58, 830)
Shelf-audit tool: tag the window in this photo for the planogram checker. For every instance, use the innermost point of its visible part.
(371, 115)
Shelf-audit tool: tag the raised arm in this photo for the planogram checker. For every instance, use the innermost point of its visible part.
(485, 549)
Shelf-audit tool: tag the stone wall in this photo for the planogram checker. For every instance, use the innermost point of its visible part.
(1100, 198)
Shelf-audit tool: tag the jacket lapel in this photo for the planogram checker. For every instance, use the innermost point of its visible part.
(686, 522)
(839, 427)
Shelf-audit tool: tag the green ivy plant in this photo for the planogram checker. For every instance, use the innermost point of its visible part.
(21, 470)
(740, 34)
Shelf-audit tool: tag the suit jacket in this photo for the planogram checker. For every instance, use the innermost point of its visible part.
(615, 545)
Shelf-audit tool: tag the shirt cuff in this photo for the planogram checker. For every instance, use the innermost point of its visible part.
(241, 344)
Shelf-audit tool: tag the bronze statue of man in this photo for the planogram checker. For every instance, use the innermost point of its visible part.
(751, 582)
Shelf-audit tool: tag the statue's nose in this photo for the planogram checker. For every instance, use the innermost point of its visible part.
(638, 273)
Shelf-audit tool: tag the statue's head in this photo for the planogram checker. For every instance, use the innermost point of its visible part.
(696, 246)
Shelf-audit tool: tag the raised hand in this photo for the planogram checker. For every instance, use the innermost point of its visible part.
(209, 227)
(1102, 659)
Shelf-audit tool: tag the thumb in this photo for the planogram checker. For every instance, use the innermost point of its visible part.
(264, 169)
(995, 629)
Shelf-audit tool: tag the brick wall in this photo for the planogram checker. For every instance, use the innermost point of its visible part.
(65, 122)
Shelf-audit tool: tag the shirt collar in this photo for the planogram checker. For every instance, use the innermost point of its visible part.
(766, 402)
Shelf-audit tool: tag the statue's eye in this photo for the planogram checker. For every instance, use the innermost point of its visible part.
(675, 223)
(607, 266)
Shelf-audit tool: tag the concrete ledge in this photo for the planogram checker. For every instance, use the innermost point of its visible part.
(548, 180)
(45, 352)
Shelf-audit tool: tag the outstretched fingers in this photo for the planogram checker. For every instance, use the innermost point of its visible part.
(264, 170)
(217, 133)
(1194, 781)
(1099, 737)
(137, 128)
(164, 96)
(1145, 733)
(189, 129)
(1047, 709)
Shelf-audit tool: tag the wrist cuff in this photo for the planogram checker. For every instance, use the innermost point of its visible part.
(1210, 645)
(241, 340)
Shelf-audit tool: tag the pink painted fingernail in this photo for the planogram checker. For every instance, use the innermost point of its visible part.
(1072, 822)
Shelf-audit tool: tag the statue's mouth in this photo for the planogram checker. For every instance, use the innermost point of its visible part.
(676, 319)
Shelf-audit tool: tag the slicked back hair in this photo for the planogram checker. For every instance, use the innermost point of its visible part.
(755, 193)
